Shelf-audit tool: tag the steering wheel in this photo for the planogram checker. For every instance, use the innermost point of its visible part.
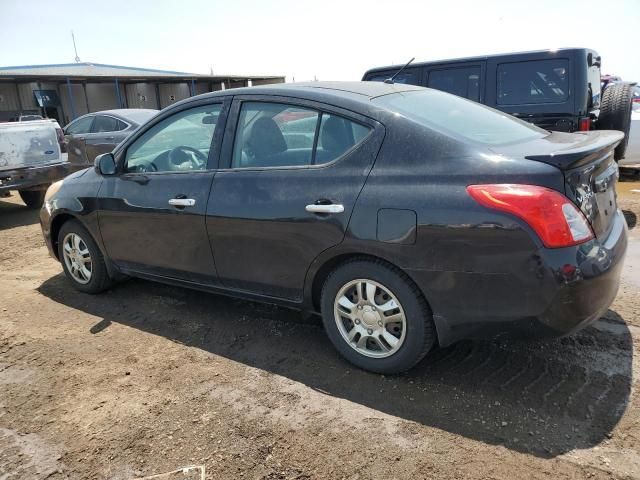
(184, 157)
(144, 168)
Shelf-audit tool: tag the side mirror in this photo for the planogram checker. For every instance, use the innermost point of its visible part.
(105, 164)
(210, 119)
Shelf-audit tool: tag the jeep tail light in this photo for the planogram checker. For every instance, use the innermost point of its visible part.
(555, 219)
(584, 124)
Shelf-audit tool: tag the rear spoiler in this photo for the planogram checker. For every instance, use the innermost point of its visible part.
(595, 145)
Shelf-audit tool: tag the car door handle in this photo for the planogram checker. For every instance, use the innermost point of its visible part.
(182, 202)
(330, 208)
(109, 138)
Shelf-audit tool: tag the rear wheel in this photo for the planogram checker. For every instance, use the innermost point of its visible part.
(81, 259)
(33, 198)
(615, 113)
(376, 317)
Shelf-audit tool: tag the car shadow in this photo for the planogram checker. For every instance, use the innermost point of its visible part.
(543, 398)
(16, 215)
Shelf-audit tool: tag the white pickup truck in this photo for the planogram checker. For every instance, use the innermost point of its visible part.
(31, 159)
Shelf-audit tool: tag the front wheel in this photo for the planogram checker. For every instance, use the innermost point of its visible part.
(81, 259)
(376, 317)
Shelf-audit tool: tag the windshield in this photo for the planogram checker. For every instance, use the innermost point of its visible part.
(459, 117)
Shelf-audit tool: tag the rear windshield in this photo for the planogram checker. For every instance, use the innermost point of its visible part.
(459, 117)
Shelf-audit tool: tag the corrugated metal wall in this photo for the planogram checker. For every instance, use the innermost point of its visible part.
(257, 82)
(8, 97)
(26, 95)
(79, 101)
(102, 96)
(172, 93)
(141, 95)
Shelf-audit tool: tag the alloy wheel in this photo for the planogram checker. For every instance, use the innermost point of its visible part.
(77, 258)
(370, 318)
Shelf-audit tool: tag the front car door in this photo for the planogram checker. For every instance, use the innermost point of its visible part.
(106, 133)
(292, 172)
(75, 135)
(151, 214)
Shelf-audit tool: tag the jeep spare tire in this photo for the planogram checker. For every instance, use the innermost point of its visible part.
(615, 113)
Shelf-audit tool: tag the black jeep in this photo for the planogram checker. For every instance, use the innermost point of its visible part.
(554, 89)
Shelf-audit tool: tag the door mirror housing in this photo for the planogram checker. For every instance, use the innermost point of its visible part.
(105, 164)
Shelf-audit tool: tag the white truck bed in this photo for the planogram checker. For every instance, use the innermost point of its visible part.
(28, 144)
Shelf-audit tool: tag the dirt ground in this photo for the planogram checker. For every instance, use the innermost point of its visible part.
(147, 379)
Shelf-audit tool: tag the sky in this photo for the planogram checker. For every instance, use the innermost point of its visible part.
(306, 40)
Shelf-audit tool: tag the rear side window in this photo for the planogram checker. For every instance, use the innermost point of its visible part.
(540, 81)
(464, 82)
(105, 123)
(82, 125)
(281, 135)
(458, 117)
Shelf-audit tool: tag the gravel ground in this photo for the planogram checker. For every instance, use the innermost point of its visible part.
(147, 379)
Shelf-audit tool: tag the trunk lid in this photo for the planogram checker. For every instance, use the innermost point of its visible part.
(589, 169)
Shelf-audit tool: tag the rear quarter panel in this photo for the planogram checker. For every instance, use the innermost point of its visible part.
(469, 262)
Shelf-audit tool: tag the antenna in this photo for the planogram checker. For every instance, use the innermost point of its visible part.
(390, 80)
(73, 37)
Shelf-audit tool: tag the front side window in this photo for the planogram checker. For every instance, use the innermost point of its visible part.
(281, 135)
(464, 82)
(540, 81)
(459, 117)
(80, 126)
(181, 142)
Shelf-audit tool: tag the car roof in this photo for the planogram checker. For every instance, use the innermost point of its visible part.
(358, 92)
(127, 113)
(484, 57)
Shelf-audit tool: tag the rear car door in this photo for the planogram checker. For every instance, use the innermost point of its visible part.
(75, 135)
(151, 214)
(293, 170)
(106, 133)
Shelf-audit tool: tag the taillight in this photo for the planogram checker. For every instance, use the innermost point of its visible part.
(555, 219)
(60, 134)
(584, 124)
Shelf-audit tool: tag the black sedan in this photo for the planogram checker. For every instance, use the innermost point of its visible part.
(406, 217)
(99, 132)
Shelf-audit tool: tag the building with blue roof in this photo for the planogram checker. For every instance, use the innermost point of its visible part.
(66, 91)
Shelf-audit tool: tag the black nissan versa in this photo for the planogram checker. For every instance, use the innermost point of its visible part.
(407, 217)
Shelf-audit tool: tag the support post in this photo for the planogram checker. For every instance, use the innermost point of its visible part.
(86, 97)
(73, 106)
(118, 93)
(158, 96)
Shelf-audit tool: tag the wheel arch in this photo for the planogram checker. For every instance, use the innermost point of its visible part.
(56, 224)
(325, 264)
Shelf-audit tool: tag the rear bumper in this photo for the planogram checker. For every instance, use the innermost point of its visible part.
(587, 286)
(32, 177)
(556, 292)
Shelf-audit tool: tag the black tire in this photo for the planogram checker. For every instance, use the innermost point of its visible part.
(420, 334)
(615, 113)
(100, 280)
(33, 198)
